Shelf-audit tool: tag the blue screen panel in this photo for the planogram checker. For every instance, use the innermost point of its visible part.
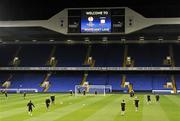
(96, 21)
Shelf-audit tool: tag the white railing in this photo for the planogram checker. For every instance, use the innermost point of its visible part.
(90, 68)
(18, 90)
(163, 91)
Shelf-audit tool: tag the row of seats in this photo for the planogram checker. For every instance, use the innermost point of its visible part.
(63, 82)
(144, 55)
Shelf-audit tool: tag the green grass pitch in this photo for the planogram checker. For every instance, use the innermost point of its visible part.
(89, 108)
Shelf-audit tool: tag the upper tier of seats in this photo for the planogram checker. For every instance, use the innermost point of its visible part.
(144, 55)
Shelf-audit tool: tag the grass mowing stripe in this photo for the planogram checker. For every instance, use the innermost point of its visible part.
(86, 111)
(167, 110)
(174, 99)
(171, 109)
(178, 95)
(19, 102)
(38, 111)
(42, 110)
(153, 112)
(50, 116)
(29, 97)
(108, 112)
(14, 111)
(20, 94)
(17, 98)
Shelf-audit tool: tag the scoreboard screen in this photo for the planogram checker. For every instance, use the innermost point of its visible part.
(95, 21)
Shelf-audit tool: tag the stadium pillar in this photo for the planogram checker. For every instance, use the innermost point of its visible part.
(171, 53)
(124, 65)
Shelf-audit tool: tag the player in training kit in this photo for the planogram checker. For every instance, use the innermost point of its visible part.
(24, 95)
(148, 99)
(30, 106)
(6, 95)
(47, 101)
(79, 90)
(71, 92)
(95, 92)
(157, 98)
(52, 99)
(123, 107)
(136, 102)
(84, 92)
(132, 93)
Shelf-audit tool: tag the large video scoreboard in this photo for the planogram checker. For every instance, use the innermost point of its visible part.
(96, 21)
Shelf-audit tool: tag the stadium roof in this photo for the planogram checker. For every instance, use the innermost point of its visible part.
(44, 9)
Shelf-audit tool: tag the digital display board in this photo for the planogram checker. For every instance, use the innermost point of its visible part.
(96, 21)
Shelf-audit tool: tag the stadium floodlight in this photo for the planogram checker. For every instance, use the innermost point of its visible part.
(34, 40)
(51, 40)
(123, 39)
(104, 39)
(86, 39)
(70, 41)
(178, 38)
(141, 38)
(160, 38)
(101, 90)
(16, 40)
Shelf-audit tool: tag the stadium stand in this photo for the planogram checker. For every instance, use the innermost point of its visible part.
(74, 55)
(27, 80)
(152, 55)
(70, 56)
(34, 55)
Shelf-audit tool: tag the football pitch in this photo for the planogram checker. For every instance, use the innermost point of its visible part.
(89, 108)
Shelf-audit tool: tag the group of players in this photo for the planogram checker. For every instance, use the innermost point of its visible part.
(48, 101)
(51, 100)
(136, 102)
(123, 103)
(84, 92)
(6, 94)
(30, 105)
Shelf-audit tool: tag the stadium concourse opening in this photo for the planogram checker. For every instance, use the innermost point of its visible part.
(90, 64)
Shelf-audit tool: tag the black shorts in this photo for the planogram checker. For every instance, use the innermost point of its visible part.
(123, 108)
(52, 98)
(136, 106)
(30, 109)
(47, 105)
